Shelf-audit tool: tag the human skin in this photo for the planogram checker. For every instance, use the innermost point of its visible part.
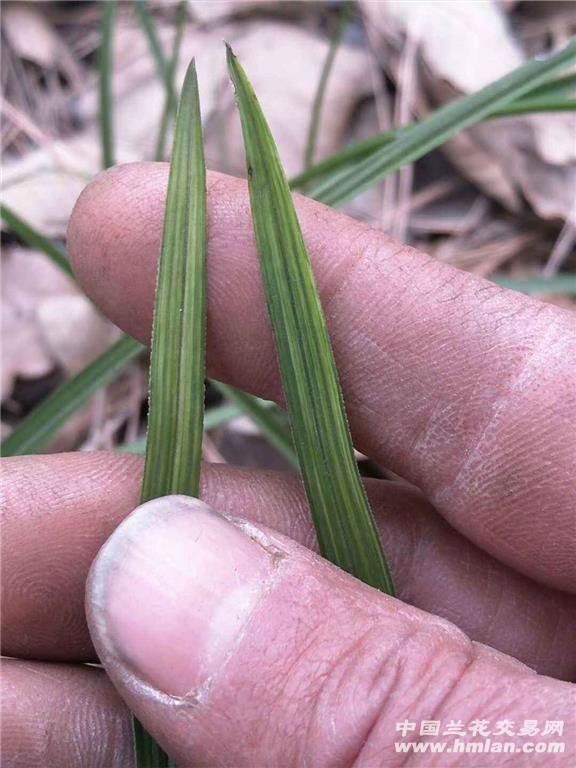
(465, 389)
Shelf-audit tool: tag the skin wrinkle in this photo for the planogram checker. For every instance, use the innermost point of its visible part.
(409, 758)
(463, 406)
(378, 716)
(368, 255)
(423, 430)
(315, 727)
(495, 615)
(267, 688)
(336, 268)
(506, 700)
(447, 283)
(327, 680)
(307, 641)
(425, 706)
(495, 696)
(308, 739)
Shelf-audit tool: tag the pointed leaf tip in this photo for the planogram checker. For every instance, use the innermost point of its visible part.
(177, 367)
(346, 530)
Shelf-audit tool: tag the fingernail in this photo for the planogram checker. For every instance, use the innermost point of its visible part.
(171, 591)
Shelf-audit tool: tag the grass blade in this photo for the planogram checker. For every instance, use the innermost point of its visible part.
(177, 361)
(334, 164)
(564, 283)
(147, 753)
(323, 82)
(36, 429)
(170, 99)
(34, 239)
(149, 28)
(342, 516)
(553, 92)
(267, 416)
(105, 82)
(534, 106)
(554, 88)
(429, 133)
(177, 365)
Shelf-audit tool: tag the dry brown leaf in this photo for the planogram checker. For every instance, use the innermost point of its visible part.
(46, 321)
(23, 353)
(43, 186)
(465, 46)
(73, 331)
(34, 38)
(28, 279)
(208, 11)
(520, 148)
(30, 34)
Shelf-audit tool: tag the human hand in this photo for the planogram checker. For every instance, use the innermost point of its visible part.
(234, 644)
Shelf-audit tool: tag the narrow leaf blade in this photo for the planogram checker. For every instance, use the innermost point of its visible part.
(34, 239)
(534, 106)
(323, 82)
(346, 531)
(415, 141)
(266, 416)
(146, 21)
(565, 283)
(147, 753)
(35, 431)
(105, 82)
(170, 97)
(177, 364)
(177, 360)
(554, 88)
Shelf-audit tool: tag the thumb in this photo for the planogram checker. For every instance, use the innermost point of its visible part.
(236, 646)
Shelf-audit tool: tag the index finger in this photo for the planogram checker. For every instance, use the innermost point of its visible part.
(462, 387)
